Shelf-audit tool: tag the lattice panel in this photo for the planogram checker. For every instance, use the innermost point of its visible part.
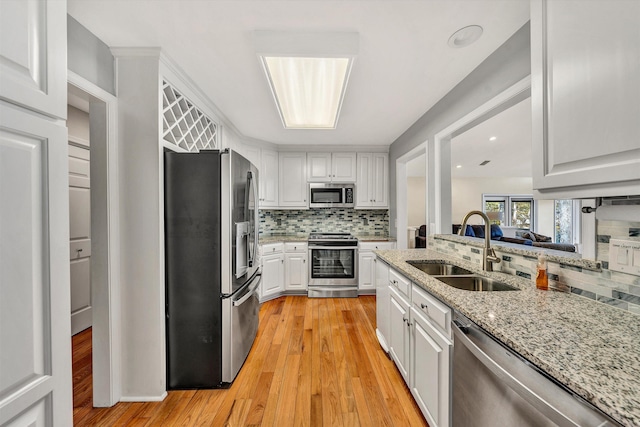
(183, 124)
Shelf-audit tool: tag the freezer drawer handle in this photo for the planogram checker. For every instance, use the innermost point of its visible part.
(252, 289)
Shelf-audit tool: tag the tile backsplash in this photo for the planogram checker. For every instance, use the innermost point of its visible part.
(610, 287)
(607, 230)
(374, 221)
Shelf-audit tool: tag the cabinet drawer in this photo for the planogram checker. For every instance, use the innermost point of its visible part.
(295, 247)
(272, 248)
(374, 246)
(439, 313)
(400, 282)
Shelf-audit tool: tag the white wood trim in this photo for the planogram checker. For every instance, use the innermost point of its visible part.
(106, 293)
(144, 398)
(401, 193)
(498, 103)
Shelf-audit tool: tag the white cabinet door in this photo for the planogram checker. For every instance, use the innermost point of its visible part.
(272, 274)
(366, 271)
(382, 303)
(293, 180)
(296, 271)
(585, 90)
(343, 167)
(363, 182)
(268, 178)
(399, 332)
(380, 180)
(35, 333)
(372, 184)
(430, 367)
(319, 167)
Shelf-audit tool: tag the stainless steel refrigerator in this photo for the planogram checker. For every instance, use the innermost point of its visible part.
(212, 273)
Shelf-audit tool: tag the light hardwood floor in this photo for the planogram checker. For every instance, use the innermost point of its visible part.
(315, 362)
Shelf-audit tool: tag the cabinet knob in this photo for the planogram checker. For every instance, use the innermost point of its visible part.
(282, 261)
(424, 307)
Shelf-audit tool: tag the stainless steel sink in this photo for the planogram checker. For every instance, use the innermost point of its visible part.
(476, 283)
(439, 268)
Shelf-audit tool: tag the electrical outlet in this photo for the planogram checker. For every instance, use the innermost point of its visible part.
(624, 256)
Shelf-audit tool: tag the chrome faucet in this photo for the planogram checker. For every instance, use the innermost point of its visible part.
(488, 256)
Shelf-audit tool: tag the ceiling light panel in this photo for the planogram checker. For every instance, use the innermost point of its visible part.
(307, 74)
(308, 91)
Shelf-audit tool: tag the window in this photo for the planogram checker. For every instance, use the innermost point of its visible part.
(567, 221)
(510, 210)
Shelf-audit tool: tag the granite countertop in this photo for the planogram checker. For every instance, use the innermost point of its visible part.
(374, 238)
(592, 348)
(303, 237)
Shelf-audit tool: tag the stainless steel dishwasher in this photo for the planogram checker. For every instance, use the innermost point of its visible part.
(494, 386)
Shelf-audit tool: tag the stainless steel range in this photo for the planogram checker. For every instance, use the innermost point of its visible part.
(333, 265)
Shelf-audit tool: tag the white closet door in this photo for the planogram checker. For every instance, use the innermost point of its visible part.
(80, 238)
(35, 363)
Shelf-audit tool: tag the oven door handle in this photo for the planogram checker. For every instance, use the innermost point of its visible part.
(332, 247)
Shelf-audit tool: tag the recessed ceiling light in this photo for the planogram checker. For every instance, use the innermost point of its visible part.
(307, 74)
(465, 36)
(493, 138)
(458, 166)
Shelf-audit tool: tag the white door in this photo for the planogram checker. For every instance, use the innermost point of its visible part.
(268, 179)
(380, 180)
(35, 363)
(319, 167)
(366, 271)
(80, 238)
(293, 180)
(343, 167)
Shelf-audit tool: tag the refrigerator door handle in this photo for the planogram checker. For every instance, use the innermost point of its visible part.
(252, 227)
(252, 289)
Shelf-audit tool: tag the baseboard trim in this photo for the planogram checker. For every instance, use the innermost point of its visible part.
(144, 398)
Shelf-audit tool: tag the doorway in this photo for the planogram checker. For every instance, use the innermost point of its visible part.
(408, 166)
(102, 266)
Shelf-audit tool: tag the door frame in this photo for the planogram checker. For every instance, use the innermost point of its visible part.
(401, 192)
(105, 234)
(442, 149)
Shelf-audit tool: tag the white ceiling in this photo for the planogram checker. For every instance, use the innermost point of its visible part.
(509, 154)
(403, 68)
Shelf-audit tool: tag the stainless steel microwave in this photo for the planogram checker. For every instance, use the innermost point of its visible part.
(326, 195)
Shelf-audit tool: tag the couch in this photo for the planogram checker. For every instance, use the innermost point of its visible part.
(523, 237)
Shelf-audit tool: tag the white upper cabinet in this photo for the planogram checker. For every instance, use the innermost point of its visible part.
(372, 184)
(33, 56)
(268, 179)
(328, 167)
(293, 184)
(585, 88)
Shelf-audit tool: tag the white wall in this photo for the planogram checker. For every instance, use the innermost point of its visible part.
(78, 123)
(466, 193)
(416, 199)
(545, 222)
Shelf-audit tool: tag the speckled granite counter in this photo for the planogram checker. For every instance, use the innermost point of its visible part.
(374, 238)
(592, 348)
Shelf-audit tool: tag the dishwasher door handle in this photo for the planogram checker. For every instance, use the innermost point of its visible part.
(508, 379)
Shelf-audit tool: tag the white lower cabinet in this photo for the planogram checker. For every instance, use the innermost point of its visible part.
(419, 340)
(272, 270)
(296, 270)
(399, 332)
(367, 265)
(430, 370)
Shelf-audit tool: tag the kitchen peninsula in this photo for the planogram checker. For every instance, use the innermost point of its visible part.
(589, 347)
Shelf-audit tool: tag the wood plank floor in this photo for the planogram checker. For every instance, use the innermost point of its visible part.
(315, 362)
